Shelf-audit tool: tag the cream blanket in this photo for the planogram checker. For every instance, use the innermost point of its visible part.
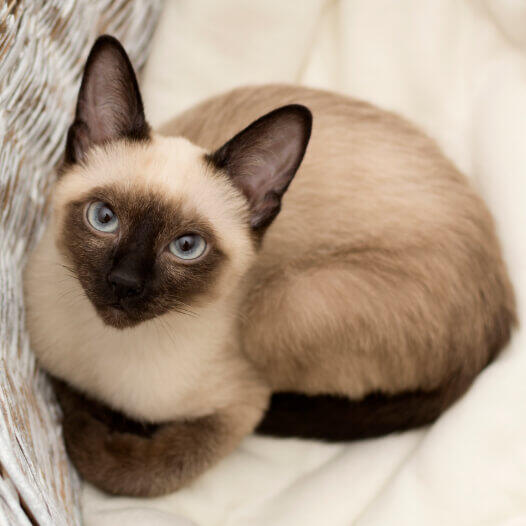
(457, 68)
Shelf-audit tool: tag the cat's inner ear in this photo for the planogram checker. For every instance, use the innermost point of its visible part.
(262, 159)
(109, 104)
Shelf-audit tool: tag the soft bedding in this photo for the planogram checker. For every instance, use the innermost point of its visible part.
(458, 69)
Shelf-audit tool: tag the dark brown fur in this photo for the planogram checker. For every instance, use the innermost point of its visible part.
(137, 459)
(147, 225)
(236, 159)
(336, 418)
(109, 68)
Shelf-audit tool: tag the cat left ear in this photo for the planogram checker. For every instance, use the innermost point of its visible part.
(262, 159)
(109, 104)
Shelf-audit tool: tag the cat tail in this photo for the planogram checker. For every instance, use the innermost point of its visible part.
(336, 418)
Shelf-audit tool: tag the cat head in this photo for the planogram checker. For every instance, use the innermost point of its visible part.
(151, 224)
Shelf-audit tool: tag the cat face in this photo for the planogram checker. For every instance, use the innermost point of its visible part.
(149, 224)
(150, 228)
(139, 254)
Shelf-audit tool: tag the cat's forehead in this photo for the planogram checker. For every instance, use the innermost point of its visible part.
(171, 170)
(173, 167)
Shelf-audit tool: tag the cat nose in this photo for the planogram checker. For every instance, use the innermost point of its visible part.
(125, 283)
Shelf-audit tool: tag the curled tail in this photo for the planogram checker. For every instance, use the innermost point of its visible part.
(336, 418)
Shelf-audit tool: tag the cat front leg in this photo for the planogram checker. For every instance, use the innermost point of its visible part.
(157, 461)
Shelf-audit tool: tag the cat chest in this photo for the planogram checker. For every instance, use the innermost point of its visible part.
(149, 375)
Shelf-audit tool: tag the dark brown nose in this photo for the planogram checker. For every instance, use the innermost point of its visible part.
(125, 283)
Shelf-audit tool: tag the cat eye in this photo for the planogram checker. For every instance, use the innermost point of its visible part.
(188, 247)
(101, 217)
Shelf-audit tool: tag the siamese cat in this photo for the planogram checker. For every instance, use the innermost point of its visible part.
(174, 301)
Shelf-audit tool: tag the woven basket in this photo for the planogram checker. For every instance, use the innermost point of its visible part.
(43, 46)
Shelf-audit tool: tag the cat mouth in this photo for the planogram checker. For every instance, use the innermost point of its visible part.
(120, 316)
(121, 313)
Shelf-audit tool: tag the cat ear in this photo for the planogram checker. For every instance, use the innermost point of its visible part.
(109, 104)
(262, 159)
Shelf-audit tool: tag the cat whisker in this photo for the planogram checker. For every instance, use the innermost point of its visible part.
(164, 326)
(188, 312)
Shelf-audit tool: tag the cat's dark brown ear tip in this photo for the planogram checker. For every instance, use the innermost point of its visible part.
(304, 115)
(106, 39)
(107, 43)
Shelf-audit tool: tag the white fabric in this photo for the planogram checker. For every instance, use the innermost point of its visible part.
(457, 68)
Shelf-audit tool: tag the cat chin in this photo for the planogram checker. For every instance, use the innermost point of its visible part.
(120, 318)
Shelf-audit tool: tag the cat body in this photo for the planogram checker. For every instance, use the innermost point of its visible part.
(381, 271)
(380, 281)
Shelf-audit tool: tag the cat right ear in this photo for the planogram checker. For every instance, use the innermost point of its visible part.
(109, 104)
(262, 159)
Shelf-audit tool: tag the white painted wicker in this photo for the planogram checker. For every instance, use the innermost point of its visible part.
(43, 45)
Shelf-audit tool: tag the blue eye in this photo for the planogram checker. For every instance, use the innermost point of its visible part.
(102, 217)
(189, 246)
